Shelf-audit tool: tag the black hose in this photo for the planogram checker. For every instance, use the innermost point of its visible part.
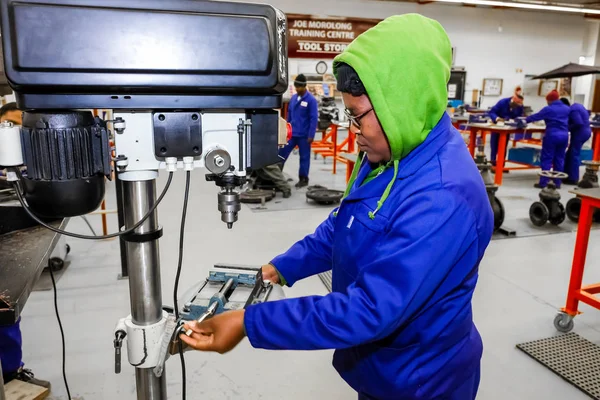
(78, 236)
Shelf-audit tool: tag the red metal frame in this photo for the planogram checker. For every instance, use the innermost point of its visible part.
(502, 144)
(576, 292)
(596, 144)
(328, 147)
(326, 143)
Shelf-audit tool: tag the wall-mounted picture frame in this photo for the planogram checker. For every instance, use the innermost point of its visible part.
(565, 87)
(492, 86)
(530, 86)
(547, 86)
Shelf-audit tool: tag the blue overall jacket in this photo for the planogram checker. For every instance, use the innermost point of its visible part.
(400, 312)
(502, 110)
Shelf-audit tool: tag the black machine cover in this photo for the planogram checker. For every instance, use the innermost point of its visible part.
(144, 54)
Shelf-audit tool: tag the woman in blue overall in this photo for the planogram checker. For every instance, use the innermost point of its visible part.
(505, 109)
(579, 126)
(556, 137)
(405, 244)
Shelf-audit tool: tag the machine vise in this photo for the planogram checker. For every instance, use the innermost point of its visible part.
(226, 288)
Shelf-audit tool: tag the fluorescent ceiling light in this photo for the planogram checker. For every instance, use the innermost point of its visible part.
(528, 6)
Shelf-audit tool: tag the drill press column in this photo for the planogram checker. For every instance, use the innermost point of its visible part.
(144, 275)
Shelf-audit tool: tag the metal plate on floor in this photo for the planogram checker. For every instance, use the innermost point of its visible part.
(256, 196)
(573, 358)
(326, 279)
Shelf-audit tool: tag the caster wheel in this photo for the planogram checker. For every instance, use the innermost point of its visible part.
(56, 264)
(597, 216)
(539, 213)
(499, 213)
(574, 209)
(559, 216)
(68, 248)
(563, 322)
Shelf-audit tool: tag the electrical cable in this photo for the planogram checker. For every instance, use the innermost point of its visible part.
(78, 236)
(87, 221)
(62, 332)
(178, 275)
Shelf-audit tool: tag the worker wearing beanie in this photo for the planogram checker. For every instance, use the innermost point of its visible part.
(556, 137)
(579, 126)
(303, 114)
(405, 244)
(508, 108)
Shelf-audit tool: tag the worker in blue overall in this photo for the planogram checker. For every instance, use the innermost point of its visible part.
(11, 342)
(405, 244)
(556, 137)
(505, 109)
(303, 114)
(579, 126)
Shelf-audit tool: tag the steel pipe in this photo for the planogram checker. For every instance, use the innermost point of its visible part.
(143, 261)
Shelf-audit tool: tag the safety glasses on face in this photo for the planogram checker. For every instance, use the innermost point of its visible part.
(355, 120)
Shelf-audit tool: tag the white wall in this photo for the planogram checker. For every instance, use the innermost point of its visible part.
(532, 41)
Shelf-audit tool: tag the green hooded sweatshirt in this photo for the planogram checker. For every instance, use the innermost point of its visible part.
(404, 63)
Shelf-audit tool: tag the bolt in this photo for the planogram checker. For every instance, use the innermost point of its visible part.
(219, 161)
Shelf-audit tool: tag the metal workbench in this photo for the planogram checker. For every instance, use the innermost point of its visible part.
(23, 256)
(477, 129)
(590, 201)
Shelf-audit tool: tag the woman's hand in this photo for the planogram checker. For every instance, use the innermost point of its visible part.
(270, 274)
(220, 333)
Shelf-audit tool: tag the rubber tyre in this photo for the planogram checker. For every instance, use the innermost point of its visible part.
(597, 216)
(539, 213)
(56, 264)
(499, 213)
(563, 323)
(68, 248)
(559, 216)
(325, 196)
(573, 209)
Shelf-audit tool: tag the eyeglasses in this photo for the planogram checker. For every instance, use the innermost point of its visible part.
(355, 120)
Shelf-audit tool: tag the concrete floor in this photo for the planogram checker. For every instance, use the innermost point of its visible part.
(523, 282)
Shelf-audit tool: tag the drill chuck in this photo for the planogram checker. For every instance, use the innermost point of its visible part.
(229, 206)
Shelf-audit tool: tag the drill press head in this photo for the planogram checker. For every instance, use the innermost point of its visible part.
(170, 88)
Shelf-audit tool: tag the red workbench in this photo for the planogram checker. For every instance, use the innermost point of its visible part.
(329, 147)
(590, 200)
(503, 131)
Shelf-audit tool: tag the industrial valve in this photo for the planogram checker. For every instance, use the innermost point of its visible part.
(588, 181)
(549, 208)
(491, 188)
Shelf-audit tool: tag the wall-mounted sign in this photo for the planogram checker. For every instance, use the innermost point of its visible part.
(492, 87)
(317, 37)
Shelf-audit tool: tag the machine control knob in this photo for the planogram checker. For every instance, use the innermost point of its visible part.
(119, 125)
(118, 343)
(122, 162)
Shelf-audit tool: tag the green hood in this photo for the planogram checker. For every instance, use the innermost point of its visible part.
(404, 63)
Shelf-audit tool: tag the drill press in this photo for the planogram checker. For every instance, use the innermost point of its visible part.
(200, 89)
